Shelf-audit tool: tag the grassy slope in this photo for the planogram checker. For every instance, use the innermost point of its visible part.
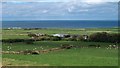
(72, 57)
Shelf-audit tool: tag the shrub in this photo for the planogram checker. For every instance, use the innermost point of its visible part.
(104, 37)
(55, 38)
(29, 41)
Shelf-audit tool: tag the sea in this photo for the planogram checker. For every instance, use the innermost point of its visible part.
(61, 24)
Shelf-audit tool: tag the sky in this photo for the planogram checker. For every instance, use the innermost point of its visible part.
(59, 9)
(62, 0)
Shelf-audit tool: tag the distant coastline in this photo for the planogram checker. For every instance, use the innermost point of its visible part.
(61, 24)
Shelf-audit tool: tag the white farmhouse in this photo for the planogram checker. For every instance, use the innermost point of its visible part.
(60, 35)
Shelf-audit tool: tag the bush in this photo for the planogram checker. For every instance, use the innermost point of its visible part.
(114, 38)
(29, 41)
(55, 38)
(104, 37)
(18, 40)
(12, 40)
(99, 37)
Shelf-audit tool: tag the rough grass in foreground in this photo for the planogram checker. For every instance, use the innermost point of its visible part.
(72, 57)
(68, 57)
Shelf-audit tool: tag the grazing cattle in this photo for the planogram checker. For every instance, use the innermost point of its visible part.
(112, 46)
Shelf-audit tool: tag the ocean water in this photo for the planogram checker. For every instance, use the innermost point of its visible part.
(60, 24)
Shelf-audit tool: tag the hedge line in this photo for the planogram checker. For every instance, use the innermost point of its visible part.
(96, 37)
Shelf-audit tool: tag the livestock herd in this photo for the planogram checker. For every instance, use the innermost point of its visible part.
(62, 47)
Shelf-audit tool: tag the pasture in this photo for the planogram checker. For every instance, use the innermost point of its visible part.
(21, 33)
(68, 57)
(81, 55)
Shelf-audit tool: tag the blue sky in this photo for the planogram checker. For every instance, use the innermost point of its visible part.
(60, 10)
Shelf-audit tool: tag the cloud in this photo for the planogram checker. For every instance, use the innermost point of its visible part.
(44, 11)
(58, 10)
(71, 8)
(94, 1)
(59, 0)
(34, 1)
(84, 10)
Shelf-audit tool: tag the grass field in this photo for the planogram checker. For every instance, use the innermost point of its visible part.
(67, 57)
(20, 33)
(48, 44)
(71, 57)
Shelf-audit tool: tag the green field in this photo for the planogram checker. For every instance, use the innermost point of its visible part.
(71, 57)
(20, 33)
(68, 57)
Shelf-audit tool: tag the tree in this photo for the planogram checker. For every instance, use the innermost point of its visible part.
(105, 37)
(99, 37)
(33, 36)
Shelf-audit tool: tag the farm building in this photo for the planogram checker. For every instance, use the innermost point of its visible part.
(85, 37)
(61, 35)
